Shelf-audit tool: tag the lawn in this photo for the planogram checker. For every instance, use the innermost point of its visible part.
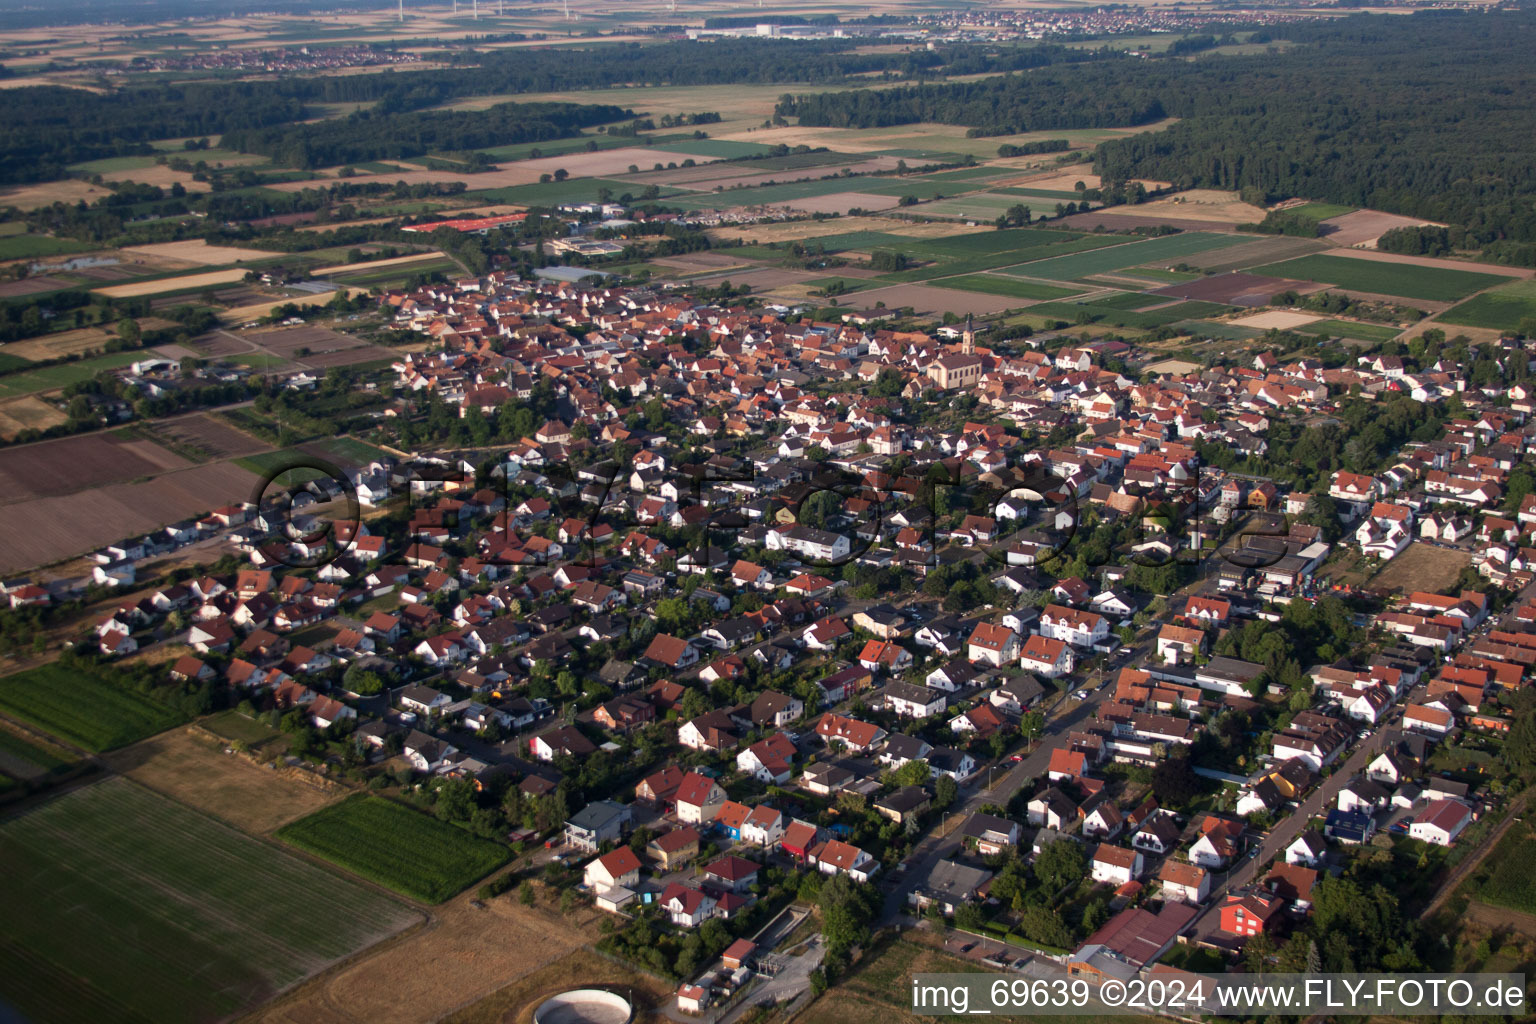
(232, 725)
(30, 247)
(991, 284)
(1167, 247)
(125, 906)
(1434, 284)
(86, 710)
(51, 378)
(1502, 308)
(399, 848)
(1349, 329)
(1054, 195)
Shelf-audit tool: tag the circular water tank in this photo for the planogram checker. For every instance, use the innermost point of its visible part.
(584, 1006)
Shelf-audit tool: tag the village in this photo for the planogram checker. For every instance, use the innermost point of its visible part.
(973, 625)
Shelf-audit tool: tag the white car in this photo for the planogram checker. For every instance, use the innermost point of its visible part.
(1080, 695)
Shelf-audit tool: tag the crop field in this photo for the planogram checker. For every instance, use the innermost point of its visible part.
(82, 709)
(1128, 300)
(401, 849)
(1321, 211)
(1014, 288)
(1349, 329)
(1222, 331)
(193, 769)
(23, 757)
(31, 247)
(1501, 308)
(1402, 279)
(182, 282)
(71, 464)
(1127, 318)
(125, 906)
(51, 378)
(1168, 247)
(980, 206)
(1512, 883)
(1045, 244)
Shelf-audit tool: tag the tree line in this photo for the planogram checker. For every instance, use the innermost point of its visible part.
(1384, 112)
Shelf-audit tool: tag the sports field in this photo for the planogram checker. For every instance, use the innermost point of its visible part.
(1131, 254)
(51, 378)
(124, 906)
(1502, 308)
(401, 849)
(1433, 284)
(82, 709)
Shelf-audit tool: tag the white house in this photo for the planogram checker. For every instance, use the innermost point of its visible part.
(1441, 822)
(1046, 657)
(1116, 865)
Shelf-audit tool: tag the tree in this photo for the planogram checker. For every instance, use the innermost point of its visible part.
(128, 330)
(1031, 725)
(913, 773)
(944, 791)
(1060, 864)
(525, 893)
(1175, 782)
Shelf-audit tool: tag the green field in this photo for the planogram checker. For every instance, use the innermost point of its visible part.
(26, 759)
(1134, 253)
(1070, 311)
(1502, 308)
(1226, 332)
(725, 149)
(1128, 300)
(551, 193)
(856, 240)
(989, 250)
(125, 906)
(86, 710)
(1348, 329)
(991, 284)
(980, 206)
(1055, 196)
(51, 378)
(1512, 883)
(1434, 284)
(401, 849)
(31, 247)
(1321, 211)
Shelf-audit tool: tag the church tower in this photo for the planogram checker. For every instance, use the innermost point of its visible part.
(968, 339)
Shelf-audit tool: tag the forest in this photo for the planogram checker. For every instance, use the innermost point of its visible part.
(1384, 112)
(47, 128)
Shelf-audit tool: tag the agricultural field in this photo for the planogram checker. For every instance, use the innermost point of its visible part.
(1130, 254)
(82, 709)
(1512, 884)
(51, 378)
(28, 758)
(1350, 329)
(193, 769)
(1502, 308)
(31, 247)
(1014, 288)
(397, 847)
(1432, 284)
(126, 906)
(1320, 211)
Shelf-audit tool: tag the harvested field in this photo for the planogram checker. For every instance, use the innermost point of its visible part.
(49, 529)
(397, 261)
(198, 252)
(1203, 204)
(1422, 567)
(1234, 289)
(161, 176)
(255, 311)
(1363, 227)
(59, 344)
(505, 954)
(28, 413)
(1373, 256)
(72, 464)
(170, 284)
(700, 262)
(32, 286)
(931, 300)
(810, 230)
(129, 907)
(192, 767)
(1177, 367)
(1276, 320)
(602, 163)
(69, 190)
